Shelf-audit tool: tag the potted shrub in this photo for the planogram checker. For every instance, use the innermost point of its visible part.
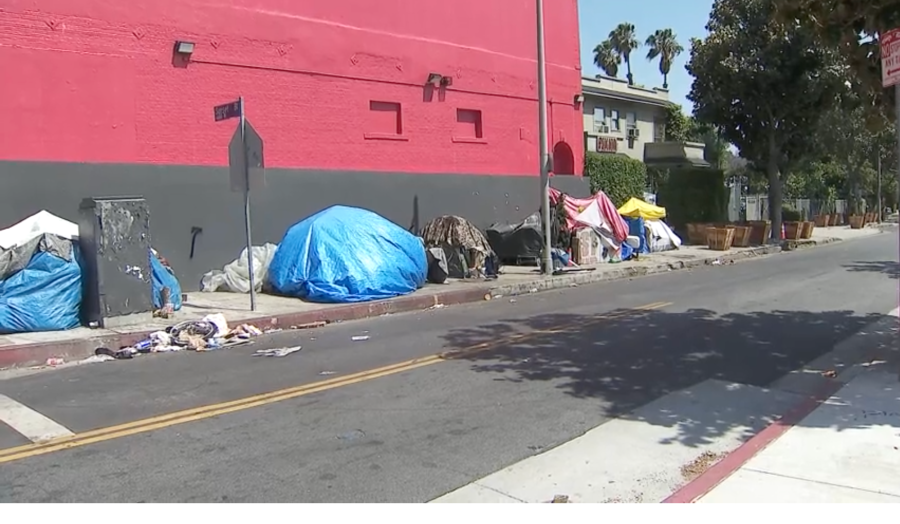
(856, 221)
(793, 225)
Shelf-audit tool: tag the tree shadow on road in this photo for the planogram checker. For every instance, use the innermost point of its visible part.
(890, 268)
(628, 358)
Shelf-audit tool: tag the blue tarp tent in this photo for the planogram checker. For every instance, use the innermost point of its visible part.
(40, 286)
(636, 228)
(347, 254)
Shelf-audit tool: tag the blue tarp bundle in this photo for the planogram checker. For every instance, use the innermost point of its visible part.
(45, 295)
(346, 254)
(163, 278)
(636, 228)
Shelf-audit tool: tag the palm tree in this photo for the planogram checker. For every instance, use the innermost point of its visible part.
(624, 41)
(607, 59)
(663, 44)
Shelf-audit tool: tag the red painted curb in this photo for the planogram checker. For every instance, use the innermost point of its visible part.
(23, 355)
(723, 469)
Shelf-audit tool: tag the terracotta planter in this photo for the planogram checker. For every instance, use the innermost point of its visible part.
(856, 222)
(807, 230)
(792, 230)
(719, 238)
(741, 236)
(835, 219)
(760, 230)
(697, 234)
(822, 220)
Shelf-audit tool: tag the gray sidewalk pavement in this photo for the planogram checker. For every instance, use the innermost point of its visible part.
(33, 349)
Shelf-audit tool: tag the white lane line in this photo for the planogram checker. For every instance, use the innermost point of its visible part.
(31, 424)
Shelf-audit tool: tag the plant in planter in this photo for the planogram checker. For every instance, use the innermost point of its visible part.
(793, 225)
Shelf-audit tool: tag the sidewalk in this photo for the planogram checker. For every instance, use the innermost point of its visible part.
(30, 349)
(845, 448)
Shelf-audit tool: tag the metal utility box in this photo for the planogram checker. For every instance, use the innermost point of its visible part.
(114, 236)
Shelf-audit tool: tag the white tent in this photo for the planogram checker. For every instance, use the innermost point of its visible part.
(661, 237)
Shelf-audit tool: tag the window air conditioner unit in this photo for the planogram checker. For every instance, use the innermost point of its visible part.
(604, 129)
(634, 132)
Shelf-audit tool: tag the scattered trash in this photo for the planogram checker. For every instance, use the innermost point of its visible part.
(560, 499)
(120, 354)
(208, 334)
(95, 359)
(830, 373)
(487, 296)
(55, 361)
(218, 320)
(276, 352)
(438, 306)
(512, 300)
(533, 290)
(359, 338)
(311, 325)
(352, 435)
(717, 262)
(327, 373)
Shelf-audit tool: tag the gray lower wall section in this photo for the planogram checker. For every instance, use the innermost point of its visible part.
(182, 198)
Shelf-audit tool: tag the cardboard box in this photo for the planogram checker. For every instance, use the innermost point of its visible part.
(586, 248)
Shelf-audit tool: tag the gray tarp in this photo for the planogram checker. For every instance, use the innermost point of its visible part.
(16, 259)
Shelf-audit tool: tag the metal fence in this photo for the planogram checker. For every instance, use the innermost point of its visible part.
(756, 207)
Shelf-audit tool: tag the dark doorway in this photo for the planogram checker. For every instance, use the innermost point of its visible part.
(563, 159)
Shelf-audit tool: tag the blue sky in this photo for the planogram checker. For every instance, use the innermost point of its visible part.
(686, 17)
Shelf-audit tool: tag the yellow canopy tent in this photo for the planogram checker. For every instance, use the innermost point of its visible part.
(637, 208)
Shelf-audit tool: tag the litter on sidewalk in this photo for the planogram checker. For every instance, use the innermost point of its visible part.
(277, 352)
(208, 334)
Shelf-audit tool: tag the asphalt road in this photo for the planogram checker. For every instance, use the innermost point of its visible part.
(536, 371)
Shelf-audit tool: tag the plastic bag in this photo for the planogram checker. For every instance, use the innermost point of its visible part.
(235, 276)
(163, 278)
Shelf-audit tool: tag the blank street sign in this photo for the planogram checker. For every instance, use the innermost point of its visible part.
(252, 147)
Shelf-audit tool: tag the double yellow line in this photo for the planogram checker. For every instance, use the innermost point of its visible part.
(214, 410)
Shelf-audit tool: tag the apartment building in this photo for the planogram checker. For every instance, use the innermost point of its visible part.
(619, 118)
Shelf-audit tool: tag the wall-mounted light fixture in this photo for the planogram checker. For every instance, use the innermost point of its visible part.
(434, 78)
(579, 99)
(446, 81)
(183, 48)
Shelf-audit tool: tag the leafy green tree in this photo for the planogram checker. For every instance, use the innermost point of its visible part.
(763, 86)
(624, 41)
(607, 59)
(852, 27)
(664, 45)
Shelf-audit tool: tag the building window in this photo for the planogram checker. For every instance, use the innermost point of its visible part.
(659, 131)
(599, 120)
(385, 121)
(631, 128)
(631, 120)
(469, 126)
(614, 121)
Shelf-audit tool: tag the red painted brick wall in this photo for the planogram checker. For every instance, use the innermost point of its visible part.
(94, 81)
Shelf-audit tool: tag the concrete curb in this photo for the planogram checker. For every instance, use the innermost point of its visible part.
(715, 475)
(24, 355)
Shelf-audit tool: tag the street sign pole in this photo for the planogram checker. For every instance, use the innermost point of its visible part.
(890, 77)
(880, 207)
(542, 139)
(247, 228)
(247, 168)
(897, 129)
